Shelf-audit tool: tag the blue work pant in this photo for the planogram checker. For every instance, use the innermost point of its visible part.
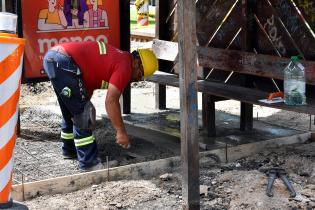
(67, 75)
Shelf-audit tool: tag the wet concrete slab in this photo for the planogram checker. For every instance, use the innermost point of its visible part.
(165, 126)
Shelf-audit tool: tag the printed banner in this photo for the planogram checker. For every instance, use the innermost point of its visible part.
(50, 22)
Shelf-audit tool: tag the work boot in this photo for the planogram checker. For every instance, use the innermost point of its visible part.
(68, 150)
(69, 156)
(96, 167)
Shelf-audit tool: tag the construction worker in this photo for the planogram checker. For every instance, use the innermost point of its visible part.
(75, 70)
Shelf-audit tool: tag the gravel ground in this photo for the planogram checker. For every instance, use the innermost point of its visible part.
(38, 149)
(237, 185)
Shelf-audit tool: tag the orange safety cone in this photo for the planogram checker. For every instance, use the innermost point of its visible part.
(142, 7)
(11, 61)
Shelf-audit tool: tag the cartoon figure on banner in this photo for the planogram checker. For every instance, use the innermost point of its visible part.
(95, 17)
(74, 11)
(51, 18)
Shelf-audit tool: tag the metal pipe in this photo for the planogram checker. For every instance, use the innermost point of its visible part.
(107, 165)
(23, 191)
(226, 153)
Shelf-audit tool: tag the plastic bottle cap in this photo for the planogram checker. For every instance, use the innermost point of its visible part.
(296, 58)
(8, 22)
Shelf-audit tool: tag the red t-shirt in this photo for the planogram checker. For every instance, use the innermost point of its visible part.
(111, 65)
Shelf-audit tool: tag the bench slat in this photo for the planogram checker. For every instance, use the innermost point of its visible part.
(164, 79)
(232, 92)
(250, 96)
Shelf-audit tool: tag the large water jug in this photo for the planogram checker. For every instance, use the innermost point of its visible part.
(294, 83)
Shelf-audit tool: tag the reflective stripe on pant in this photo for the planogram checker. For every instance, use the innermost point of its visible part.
(84, 141)
(86, 148)
(67, 136)
(68, 147)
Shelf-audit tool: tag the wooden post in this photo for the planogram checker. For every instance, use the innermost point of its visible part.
(246, 121)
(160, 96)
(188, 102)
(160, 90)
(162, 31)
(125, 45)
(2, 6)
(9, 6)
(208, 115)
(18, 7)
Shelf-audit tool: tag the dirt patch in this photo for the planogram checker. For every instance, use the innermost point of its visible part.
(112, 195)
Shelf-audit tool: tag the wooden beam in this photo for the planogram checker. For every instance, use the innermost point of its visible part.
(164, 78)
(250, 96)
(250, 63)
(241, 62)
(246, 150)
(188, 103)
(79, 181)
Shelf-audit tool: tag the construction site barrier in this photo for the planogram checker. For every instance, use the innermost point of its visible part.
(142, 7)
(11, 60)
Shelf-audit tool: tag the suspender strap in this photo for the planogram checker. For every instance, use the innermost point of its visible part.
(102, 48)
(104, 85)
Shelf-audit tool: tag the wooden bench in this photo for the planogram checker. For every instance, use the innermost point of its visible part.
(232, 60)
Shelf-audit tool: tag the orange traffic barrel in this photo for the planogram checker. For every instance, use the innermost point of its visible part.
(11, 62)
(142, 7)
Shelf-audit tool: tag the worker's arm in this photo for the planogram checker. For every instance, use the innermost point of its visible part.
(114, 113)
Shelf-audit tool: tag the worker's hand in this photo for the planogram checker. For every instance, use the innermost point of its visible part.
(122, 139)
